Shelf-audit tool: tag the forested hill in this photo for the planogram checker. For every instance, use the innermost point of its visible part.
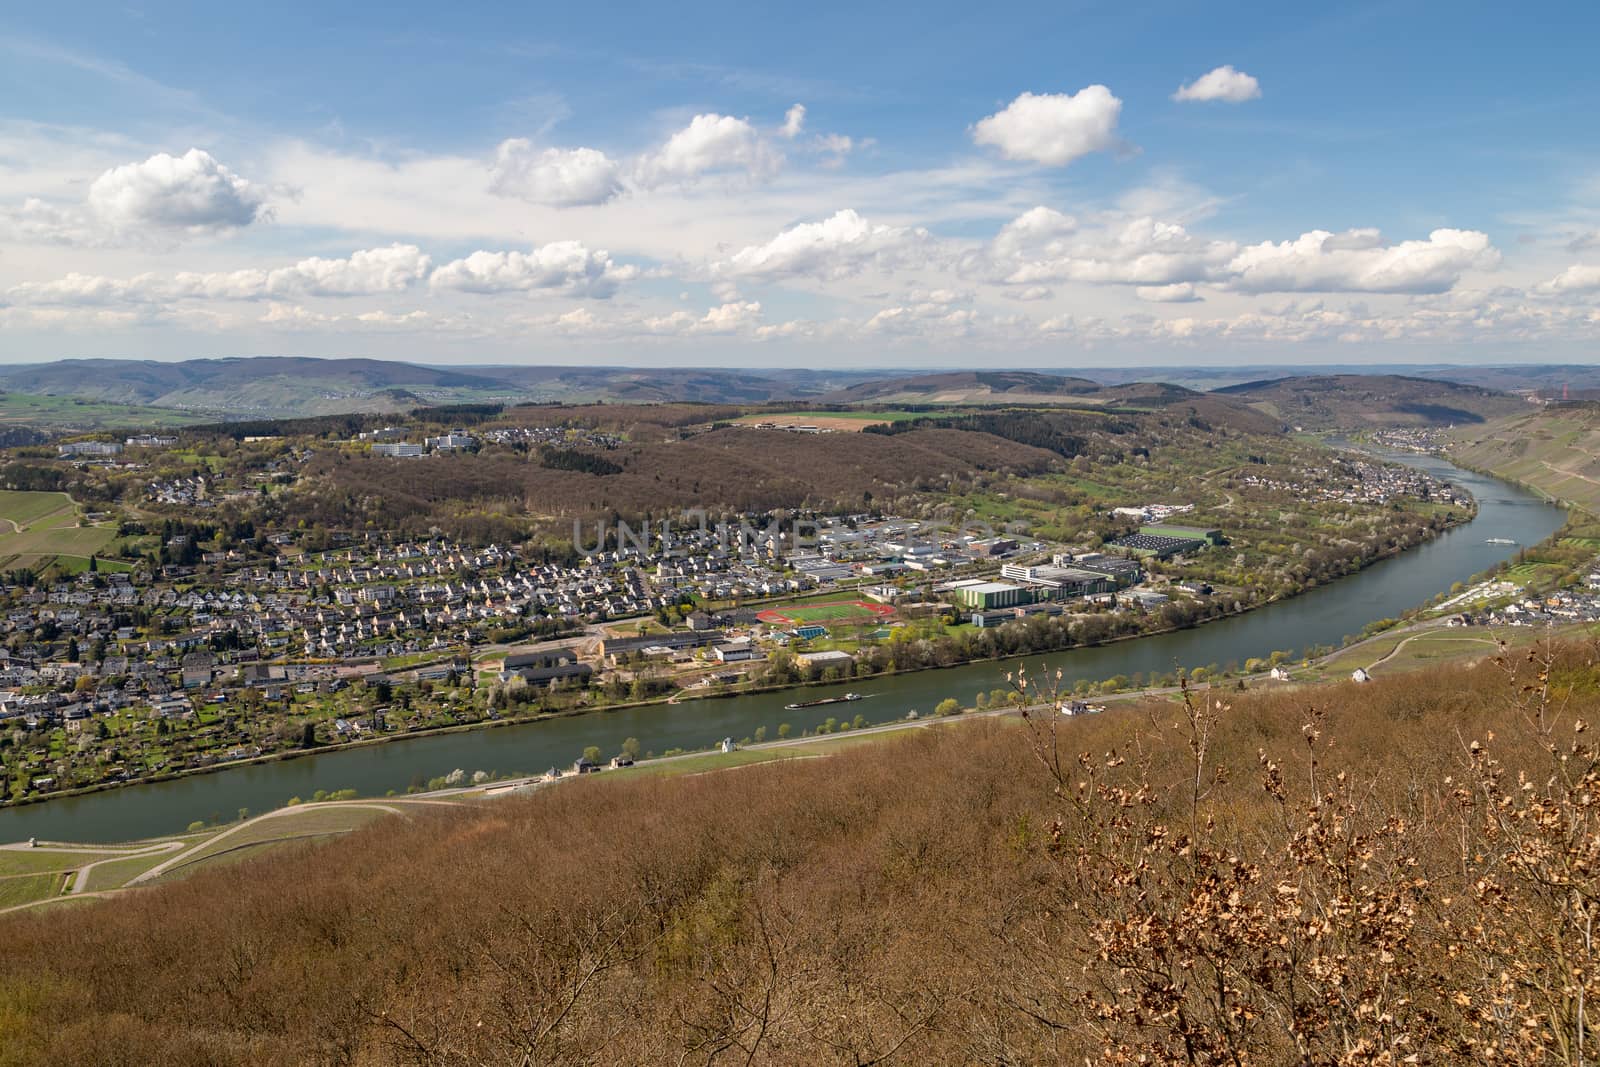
(1288, 877)
(1355, 401)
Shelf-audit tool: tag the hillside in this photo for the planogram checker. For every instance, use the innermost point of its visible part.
(677, 456)
(1252, 882)
(733, 469)
(1555, 449)
(1354, 401)
(291, 386)
(965, 387)
(265, 385)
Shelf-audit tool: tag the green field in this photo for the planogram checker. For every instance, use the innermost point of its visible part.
(27, 888)
(68, 413)
(24, 509)
(864, 416)
(838, 611)
(14, 861)
(38, 529)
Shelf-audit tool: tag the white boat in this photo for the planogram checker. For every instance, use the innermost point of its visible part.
(1499, 541)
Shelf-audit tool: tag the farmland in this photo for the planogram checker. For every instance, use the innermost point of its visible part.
(74, 413)
(38, 528)
(836, 421)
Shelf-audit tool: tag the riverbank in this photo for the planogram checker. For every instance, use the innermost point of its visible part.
(682, 697)
(60, 872)
(1319, 618)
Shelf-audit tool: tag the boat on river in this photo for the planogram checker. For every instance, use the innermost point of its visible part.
(1498, 541)
(847, 698)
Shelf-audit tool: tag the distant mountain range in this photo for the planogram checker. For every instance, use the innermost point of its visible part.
(285, 386)
(288, 386)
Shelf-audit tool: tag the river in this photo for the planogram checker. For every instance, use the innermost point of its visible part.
(1321, 616)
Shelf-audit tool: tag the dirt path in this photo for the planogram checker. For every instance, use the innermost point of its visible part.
(81, 881)
(1386, 657)
(281, 813)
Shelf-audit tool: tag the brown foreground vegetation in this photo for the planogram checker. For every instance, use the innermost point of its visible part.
(1401, 872)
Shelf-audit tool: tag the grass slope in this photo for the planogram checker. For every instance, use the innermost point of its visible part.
(1554, 449)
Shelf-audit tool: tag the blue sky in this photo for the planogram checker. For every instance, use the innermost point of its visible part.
(919, 185)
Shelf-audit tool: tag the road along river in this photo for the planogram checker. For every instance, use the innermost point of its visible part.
(1321, 616)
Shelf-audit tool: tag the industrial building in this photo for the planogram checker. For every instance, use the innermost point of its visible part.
(983, 596)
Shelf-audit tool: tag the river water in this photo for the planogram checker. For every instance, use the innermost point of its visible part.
(1322, 616)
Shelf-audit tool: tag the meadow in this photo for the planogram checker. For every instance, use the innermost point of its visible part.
(38, 529)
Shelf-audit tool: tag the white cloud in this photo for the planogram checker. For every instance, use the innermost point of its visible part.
(82, 290)
(368, 272)
(1176, 293)
(565, 267)
(794, 120)
(1225, 84)
(725, 319)
(709, 144)
(835, 147)
(1053, 129)
(192, 192)
(730, 318)
(839, 246)
(373, 270)
(1043, 246)
(1034, 230)
(39, 221)
(1358, 261)
(559, 177)
(1578, 278)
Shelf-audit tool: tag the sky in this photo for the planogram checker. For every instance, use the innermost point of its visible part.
(838, 185)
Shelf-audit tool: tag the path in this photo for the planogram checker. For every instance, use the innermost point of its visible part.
(1387, 656)
(81, 881)
(185, 856)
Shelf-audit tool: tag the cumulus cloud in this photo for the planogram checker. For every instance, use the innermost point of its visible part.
(917, 319)
(83, 290)
(711, 143)
(1036, 229)
(794, 120)
(1358, 261)
(373, 270)
(1176, 293)
(559, 177)
(1224, 84)
(37, 221)
(1053, 128)
(192, 192)
(727, 319)
(839, 246)
(1043, 246)
(564, 267)
(368, 272)
(1578, 278)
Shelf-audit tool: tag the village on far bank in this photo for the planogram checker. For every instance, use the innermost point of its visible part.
(194, 641)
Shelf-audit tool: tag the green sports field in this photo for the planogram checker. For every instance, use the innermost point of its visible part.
(834, 611)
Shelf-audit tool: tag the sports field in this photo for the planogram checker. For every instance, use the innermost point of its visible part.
(833, 611)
